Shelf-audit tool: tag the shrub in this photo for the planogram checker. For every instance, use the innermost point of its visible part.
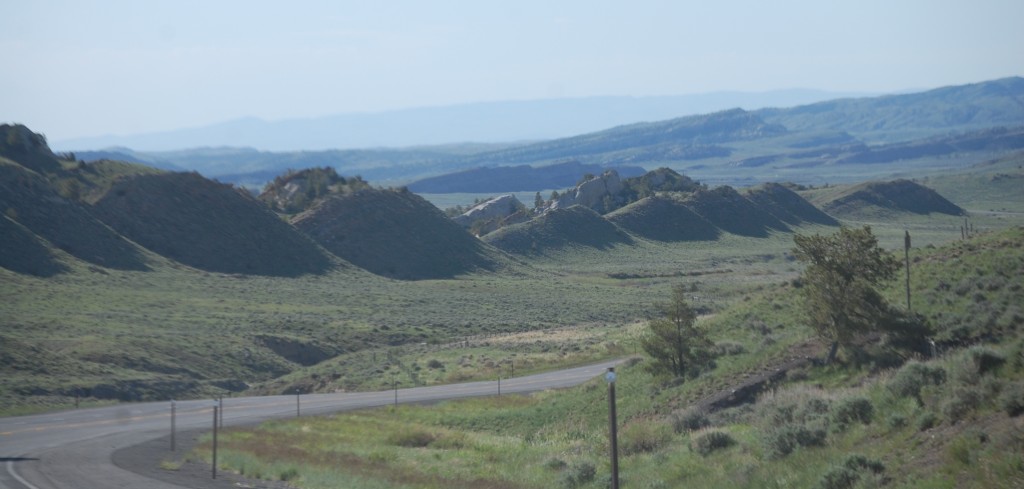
(435, 364)
(985, 359)
(289, 474)
(414, 438)
(723, 348)
(709, 441)
(847, 474)
(853, 410)
(960, 402)
(926, 421)
(781, 441)
(1012, 399)
(642, 437)
(579, 474)
(689, 420)
(913, 377)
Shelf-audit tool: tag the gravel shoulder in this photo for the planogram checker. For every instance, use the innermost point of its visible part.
(146, 458)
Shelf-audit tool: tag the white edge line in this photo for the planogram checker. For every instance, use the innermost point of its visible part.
(10, 470)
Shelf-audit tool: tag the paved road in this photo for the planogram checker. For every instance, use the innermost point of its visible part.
(72, 449)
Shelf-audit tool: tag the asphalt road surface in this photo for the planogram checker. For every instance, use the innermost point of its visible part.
(72, 449)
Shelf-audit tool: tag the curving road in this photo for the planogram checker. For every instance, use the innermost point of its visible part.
(72, 449)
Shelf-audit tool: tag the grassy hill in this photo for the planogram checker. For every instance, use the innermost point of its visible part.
(911, 116)
(208, 225)
(394, 233)
(42, 221)
(880, 198)
(663, 218)
(951, 421)
(576, 226)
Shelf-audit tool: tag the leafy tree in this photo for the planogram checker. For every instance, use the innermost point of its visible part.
(839, 285)
(538, 201)
(676, 345)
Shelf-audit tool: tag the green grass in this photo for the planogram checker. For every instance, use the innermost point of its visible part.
(960, 433)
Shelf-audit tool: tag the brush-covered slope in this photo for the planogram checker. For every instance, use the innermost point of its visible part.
(888, 197)
(787, 205)
(558, 229)
(208, 225)
(394, 233)
(515, 178)
(663, 218)
(725, 208)
(910, 116)
(40, 217)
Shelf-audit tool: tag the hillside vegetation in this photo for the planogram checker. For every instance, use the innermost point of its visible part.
(875, 419)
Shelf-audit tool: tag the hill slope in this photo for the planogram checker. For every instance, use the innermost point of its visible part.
(663, 218)
(725, 208)
(208, 225)
(515, 178)
(895, 196)
(558, 229)
(914, 115)
(394, 233)
(30, 201)
(787, 205)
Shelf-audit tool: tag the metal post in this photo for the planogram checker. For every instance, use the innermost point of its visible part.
(906, 254)
(298, 408)
(612, 427)
(220, 402)
(173, 430)
(215, 441)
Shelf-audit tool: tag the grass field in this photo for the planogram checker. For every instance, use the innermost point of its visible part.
(948, 422)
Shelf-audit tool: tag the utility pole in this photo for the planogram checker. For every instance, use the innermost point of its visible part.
(613, 434)
(906, 254)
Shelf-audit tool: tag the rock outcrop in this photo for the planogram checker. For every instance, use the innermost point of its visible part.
(591, 193)
(493, 209)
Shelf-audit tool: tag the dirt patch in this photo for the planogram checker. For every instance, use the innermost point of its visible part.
(149, 459)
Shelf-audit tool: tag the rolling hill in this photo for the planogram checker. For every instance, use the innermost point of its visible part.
(208, 225)
(899, 196)
(394, 233)
(556, 230)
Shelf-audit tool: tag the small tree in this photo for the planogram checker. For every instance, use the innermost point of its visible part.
(842, 273)
(677, 346)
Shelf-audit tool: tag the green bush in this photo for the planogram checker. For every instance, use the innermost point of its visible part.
(416, 438)
(579, 474)
(642, 437)
(985, 359)
(926, 421)
(289, 474)
(853, 410)
(689, 420)
(849, 473)
(961, 401)
(914, 376)
(783, 440)
(709, 441)
(1012, 399)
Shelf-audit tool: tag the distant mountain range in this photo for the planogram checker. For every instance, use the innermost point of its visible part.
(477, 122)
(828, 141)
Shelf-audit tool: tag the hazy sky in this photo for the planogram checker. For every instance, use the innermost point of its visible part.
(79, 68)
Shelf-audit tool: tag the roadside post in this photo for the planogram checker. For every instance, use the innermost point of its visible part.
(173, 415)
(298, 408)
(220, 403)
(214, 465)
(612, 428)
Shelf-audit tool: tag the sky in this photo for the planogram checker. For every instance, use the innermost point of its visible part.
(79, 68)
